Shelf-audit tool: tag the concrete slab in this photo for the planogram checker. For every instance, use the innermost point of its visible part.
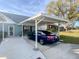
(17, 48)
(61, 51)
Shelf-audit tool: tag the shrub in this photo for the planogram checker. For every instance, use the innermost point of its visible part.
(5, 34)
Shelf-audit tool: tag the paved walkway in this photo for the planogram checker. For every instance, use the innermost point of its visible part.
(17, 48)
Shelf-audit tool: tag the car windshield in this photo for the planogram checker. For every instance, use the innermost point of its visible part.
(43, 32)
(46, 32)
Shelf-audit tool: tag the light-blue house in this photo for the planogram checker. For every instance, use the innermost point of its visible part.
(12, 29)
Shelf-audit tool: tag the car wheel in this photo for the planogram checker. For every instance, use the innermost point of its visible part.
(41, 42)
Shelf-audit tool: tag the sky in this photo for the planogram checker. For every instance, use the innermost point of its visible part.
(23, 7)
(77, 24)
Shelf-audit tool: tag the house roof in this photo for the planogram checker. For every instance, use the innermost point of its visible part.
(4, 19)
(14, 17)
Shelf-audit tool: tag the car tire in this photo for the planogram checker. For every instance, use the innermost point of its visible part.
(41, 42)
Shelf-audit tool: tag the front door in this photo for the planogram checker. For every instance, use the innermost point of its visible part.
(10, 30)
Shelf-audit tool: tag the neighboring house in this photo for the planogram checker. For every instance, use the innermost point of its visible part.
(12, 29)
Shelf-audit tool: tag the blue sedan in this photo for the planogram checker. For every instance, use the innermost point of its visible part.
(44, 37)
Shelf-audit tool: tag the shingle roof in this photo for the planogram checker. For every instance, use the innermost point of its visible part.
(14, 17)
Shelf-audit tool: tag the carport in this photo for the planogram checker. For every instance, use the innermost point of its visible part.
(41, 19)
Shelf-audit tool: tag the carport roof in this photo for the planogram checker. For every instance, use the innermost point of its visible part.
(45, 18)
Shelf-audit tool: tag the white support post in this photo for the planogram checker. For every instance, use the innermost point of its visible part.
(22, 30)
(3, 31)
(36, 47)
(36, 30)
(13, 30)
(8, 31)
(59, 29)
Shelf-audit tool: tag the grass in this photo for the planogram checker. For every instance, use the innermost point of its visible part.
(70, 36)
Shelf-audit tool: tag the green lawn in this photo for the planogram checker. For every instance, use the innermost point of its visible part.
(70, 36)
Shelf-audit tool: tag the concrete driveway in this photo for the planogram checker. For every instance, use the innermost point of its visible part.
(58, 50)
(17, 48)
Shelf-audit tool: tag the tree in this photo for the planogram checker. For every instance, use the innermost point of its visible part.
(64, 8)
